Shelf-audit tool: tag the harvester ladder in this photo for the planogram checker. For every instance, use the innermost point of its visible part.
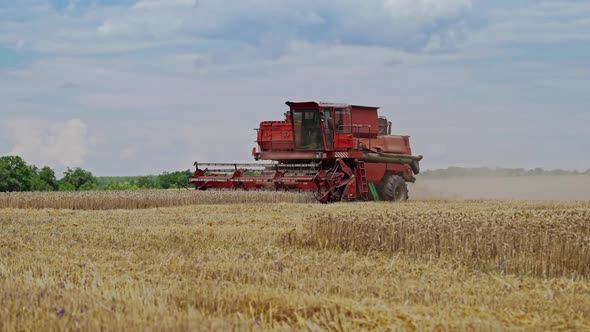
(363, 188)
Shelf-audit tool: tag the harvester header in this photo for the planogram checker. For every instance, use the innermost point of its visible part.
(341, 152)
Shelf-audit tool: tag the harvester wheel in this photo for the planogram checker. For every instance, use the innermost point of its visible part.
(395, 189)
(415, 167)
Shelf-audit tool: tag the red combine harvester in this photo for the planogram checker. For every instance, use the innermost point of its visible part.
(340, 152)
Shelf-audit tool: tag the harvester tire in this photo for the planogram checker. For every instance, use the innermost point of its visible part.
(395, 189)
(415, 165)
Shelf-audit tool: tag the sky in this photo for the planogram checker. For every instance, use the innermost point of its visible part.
(143, 86)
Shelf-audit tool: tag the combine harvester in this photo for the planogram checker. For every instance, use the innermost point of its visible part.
(340, 152)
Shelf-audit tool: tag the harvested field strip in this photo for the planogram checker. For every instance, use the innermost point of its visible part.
(532, 241)
(142, 199)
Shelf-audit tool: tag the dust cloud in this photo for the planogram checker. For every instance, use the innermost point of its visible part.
(550, 188)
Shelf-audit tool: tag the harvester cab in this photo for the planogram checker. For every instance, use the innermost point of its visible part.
(326, 126)
(340, 152)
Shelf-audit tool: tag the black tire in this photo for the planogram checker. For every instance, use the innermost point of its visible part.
(415, 167)
(395, 189)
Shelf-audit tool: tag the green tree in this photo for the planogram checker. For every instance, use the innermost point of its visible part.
(148, 182)
(44, 180)
(174, 179)
(7, 182)
(64, 186)
(121, 186)
(78, 180)
(15, 174)
(47, 175)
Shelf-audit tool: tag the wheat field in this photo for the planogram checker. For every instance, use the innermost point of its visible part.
(517, 237)
(266, 264)
(142, 199)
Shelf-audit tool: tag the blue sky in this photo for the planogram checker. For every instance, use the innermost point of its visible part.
(143, 86)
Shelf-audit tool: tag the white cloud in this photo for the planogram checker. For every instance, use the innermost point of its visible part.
(544, 22)
(140, 23)
(19, 45)
(160, 4)
(72, 4)
(271, 25)
(64, 144)
(173, 72)
(105, 29)
(425, 11)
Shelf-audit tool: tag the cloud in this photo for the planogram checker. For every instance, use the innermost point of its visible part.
(105, 29)
(19, 45)
(422, 12)
(272, 25)
(163, 4)
(169, 78)
(69, 85)
(63, 144)
(541, 22)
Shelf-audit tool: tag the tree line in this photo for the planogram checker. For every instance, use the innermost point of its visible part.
(17, 175)
(498, 172)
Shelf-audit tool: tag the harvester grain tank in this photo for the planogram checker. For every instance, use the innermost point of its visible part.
(340, 152)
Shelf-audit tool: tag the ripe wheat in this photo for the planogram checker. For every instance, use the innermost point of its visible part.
(550, 241)
(223, 266)
(142, 199)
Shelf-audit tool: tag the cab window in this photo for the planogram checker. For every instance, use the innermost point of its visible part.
(308, 130)
(343, 120)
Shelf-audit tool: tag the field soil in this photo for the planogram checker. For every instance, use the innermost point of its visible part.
(561, 188)
(423, 265)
